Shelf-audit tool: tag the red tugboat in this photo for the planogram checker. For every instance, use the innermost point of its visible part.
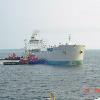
(12, 57)
(30, 59)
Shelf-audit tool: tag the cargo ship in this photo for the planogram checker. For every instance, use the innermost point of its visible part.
(63, 54)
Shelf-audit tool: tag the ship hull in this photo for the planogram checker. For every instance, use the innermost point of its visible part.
(63, 55)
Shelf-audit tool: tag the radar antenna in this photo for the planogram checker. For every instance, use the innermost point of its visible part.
(34, 34)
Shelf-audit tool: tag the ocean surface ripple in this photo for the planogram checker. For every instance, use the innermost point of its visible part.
(35, 82)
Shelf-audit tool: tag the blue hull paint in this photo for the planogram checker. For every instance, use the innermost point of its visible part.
(40, 61)
(64, 62)
(58, 63)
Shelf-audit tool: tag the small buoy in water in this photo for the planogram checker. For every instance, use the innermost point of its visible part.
(51, 96)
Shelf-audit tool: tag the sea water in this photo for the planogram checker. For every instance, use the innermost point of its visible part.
(35, 82)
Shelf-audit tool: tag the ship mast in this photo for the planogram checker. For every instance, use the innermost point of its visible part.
(68, 39)
(26, 51)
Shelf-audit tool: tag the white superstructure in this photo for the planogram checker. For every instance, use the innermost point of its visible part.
(60, 55)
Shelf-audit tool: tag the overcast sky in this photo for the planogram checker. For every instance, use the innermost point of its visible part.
(55, 19)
